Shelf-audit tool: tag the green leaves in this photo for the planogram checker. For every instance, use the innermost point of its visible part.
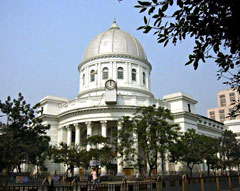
(155, 134)
(212, 24)
(23, 138)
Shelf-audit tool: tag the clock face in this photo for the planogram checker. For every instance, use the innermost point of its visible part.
(110, 84)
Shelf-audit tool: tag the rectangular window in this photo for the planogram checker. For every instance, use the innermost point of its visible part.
(189, 107)
(212, 114)
(230, 111)
(221, 115)
(134, 75)
(105, 75)
(222, 100)
(144, 78)
(232, 97)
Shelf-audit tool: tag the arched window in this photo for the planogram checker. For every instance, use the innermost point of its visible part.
(134, 75)
(83, 79)
(92, 76)
(120, 73)
(105, 73)
(144, 78)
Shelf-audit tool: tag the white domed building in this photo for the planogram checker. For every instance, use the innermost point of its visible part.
(114, 79)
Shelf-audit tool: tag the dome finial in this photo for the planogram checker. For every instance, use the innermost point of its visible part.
(114, 25)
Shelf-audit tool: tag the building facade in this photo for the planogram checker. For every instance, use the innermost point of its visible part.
(114, 80)
(226, 100)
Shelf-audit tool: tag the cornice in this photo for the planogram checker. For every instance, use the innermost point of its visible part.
(212, 120)
(212, 129)
(98, 109)
(119, 88)
(180, 97)
(45, 117)
(114, 56)
(185, 114)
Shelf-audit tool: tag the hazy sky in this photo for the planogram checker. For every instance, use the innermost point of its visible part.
(42, 43)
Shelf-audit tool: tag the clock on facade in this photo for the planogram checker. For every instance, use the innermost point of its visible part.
(110, 84)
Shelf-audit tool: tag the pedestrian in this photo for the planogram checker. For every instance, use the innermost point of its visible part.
(94, 176)
(51, 188)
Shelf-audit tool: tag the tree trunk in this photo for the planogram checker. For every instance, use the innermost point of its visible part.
(163, 170)
(190, 168)
(19, 168)
(150, 171)
(208, 170)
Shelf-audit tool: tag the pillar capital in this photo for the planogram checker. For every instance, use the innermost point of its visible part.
(76, 125)
(88, 123)
(68, 127)
(104, 122)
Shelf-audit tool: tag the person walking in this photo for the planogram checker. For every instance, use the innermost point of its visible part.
(94, 177)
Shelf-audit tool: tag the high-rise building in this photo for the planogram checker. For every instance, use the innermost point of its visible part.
(226, 100)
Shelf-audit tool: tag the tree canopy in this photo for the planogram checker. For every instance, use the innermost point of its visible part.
(147, 137)
(188, 149)
(211, 23)
(23, 138)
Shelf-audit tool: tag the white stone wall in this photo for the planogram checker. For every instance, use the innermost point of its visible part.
(234, 126)
(112, 64)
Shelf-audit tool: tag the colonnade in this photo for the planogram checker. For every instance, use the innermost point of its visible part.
(65, 135)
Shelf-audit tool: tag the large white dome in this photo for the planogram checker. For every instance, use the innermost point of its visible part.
(114, 42)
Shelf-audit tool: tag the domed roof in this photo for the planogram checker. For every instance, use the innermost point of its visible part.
(114, 41)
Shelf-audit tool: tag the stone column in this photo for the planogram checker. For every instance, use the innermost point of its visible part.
(99, 77)
(104, 134)
(139, 76)
(69, 135)
(77, 143)
(62, 135)
(135, 146)
(129, 73)
(89, 132)
(149, 81)
(77, 134)
(104, 128)
(119, 160)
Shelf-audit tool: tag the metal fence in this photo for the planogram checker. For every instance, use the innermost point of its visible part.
(177, 183)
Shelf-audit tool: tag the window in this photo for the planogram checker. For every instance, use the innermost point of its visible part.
(212, 114)
(105, 73)
(230, 112)
(232, 97)
(144, 78)
(134, 75)
(189, 107)
(92, 76)
(222, 100)
(83, 79)
(221, 111)
(221, 115)
(120, 73)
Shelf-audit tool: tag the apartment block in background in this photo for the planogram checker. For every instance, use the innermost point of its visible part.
(226, 100)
